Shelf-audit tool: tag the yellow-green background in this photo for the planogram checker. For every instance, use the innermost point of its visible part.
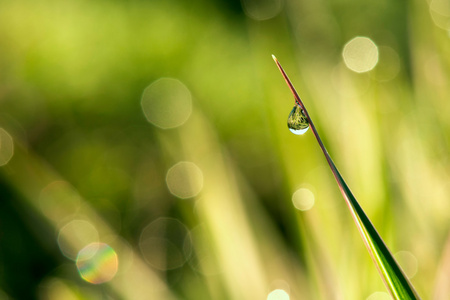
(72, 74)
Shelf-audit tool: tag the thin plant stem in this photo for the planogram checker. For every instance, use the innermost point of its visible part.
(393, 277)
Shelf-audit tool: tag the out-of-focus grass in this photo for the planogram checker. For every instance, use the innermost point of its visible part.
(71, 81)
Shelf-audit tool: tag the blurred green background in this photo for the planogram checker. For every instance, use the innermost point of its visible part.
(144, 150)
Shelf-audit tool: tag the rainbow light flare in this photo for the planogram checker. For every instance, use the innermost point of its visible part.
(97, 263)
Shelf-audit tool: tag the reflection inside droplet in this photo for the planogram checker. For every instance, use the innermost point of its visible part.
(97, 263)
(297, 121)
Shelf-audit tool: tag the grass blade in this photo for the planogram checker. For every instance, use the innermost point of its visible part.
(395, 280)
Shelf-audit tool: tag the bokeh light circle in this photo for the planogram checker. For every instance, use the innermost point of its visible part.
(440, 13)
(388, 64)
(74, 236)
(408, 262)
(6, 147)
(97, 263)
(360, 54)
(204, 258)
(167, 103)
(59, 200)
(262, 9)
(278, 294)
(441, 6)
(379, 296)
(52, 288)
(184, 179)
(303, 199)
(165, 243)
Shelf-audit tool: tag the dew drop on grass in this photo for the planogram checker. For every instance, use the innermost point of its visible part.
(297, 121)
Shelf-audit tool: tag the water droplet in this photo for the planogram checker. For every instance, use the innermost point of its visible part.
(297, 121)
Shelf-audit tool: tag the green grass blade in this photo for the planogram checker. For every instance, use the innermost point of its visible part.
(395, 280)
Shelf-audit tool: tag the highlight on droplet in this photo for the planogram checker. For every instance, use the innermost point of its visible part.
(360, 54)
(167, 103)
(97, 263)
(278, 294)
(6, 147)
(303, 199)
(184, 179)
